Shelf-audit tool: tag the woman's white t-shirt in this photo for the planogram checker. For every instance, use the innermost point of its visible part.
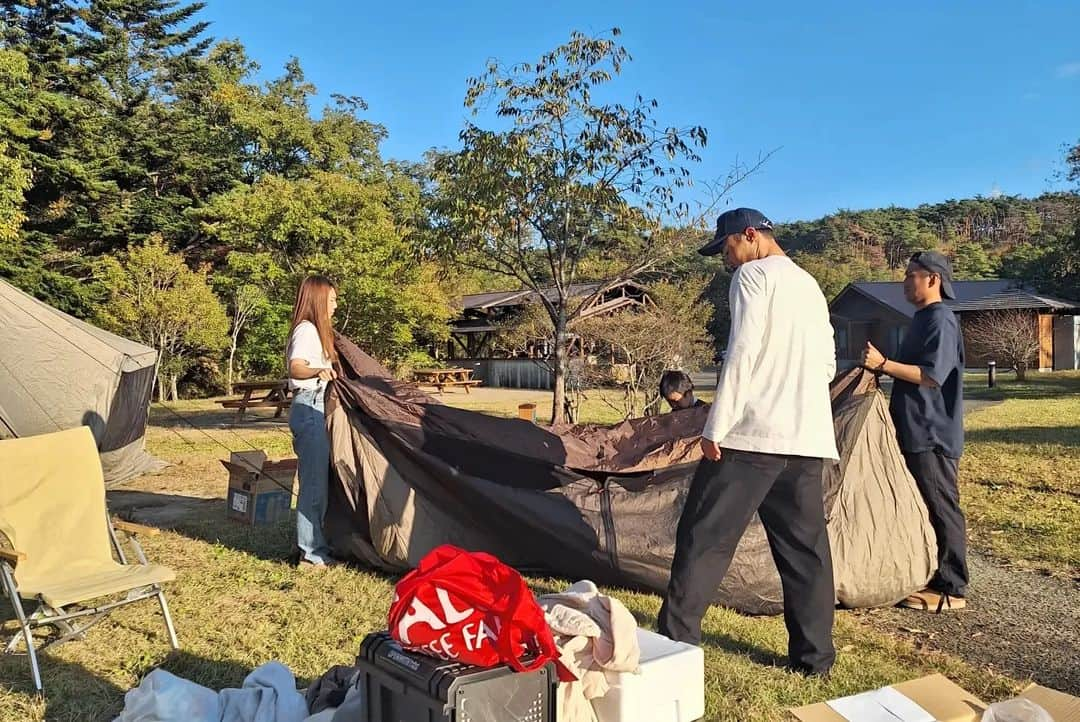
(305, 345)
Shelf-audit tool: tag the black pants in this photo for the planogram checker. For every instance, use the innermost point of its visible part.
(936, 476)
(786, 493)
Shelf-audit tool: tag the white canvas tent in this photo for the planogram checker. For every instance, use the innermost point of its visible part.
(59, 373)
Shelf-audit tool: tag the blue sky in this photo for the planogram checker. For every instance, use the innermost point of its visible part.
(868, 103)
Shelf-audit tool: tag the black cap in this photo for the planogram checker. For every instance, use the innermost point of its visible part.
(935, 262)
(735, 221)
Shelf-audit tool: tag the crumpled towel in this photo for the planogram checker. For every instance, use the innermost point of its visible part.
(330, 689)
(268, 694)
(353, 708)
(597, 638)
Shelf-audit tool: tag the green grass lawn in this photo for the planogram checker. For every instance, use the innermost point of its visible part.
(1020, 475)
(237, 604)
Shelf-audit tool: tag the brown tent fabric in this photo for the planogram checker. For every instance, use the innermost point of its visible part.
(597, 502)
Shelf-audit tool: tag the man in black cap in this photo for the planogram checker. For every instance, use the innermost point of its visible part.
(927, 406)
(765, 443)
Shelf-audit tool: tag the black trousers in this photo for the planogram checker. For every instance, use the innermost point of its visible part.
(786, 492)
(936, 475)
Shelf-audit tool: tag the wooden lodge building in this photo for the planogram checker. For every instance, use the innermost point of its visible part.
(474, 334)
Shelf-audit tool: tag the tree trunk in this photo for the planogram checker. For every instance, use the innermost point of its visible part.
(229, 370)
(1021, 371)
(558, 403)
(161, 389)
(172, 387)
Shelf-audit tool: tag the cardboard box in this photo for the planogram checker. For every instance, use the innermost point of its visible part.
(1062, 707)
(260, 491)
(940, 700)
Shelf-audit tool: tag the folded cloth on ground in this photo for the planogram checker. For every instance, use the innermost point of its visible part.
(353, 708)
(327, 715)
(268, 694)
(597, 638)
(329, 690)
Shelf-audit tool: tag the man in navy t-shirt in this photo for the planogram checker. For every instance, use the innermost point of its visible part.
(927, 407)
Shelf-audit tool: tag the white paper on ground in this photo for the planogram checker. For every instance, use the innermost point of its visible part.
(880, 705)
(905, 709)
(862, 708)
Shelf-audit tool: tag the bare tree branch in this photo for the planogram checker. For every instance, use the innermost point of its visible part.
(1008, 337)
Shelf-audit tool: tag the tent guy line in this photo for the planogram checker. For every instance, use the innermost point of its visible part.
(207, 434)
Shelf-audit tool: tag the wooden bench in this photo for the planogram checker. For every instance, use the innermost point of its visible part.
(451, 384)
(441, 379)
(276, 397)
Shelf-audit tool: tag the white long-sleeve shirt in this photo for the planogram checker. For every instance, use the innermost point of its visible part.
(773, 395)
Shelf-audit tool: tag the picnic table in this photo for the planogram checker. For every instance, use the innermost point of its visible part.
(442, 378)
(275, 395)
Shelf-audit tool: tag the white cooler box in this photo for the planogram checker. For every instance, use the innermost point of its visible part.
(670, 688)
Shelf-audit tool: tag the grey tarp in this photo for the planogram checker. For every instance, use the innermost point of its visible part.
(597, 502)
(59, 372)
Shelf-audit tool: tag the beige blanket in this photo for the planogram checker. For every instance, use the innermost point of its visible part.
(597, 639)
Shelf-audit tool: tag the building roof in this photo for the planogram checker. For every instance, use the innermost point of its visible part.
(891, 293)
(490, 300)
(1014, 298)
(495, 299)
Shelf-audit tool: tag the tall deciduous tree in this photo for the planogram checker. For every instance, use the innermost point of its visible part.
(249, 284)
(334, 224)
(534, 201)
(153, 297)
(668, 333)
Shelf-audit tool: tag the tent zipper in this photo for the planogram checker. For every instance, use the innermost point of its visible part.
(608, 519)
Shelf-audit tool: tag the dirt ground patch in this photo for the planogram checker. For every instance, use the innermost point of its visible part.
(1018, 622)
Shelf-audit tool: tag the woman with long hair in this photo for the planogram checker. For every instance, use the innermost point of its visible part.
(310, 358)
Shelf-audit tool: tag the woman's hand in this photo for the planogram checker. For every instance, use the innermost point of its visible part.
(300, 370)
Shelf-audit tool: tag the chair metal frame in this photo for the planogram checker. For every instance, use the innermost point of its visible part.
(61, 618)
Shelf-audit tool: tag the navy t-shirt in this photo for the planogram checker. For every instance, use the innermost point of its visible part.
(926, 418)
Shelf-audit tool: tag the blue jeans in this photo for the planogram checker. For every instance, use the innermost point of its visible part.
(312, 446)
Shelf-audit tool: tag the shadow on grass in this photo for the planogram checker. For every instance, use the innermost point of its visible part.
(74, 693)
(204, 520)
(210, 417)
(1034, 388)
(1064, 435)
(723, 642)
(271, 542)
(757, 655)
(217, 674)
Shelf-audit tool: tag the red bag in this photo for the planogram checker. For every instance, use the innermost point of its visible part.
(469, 607)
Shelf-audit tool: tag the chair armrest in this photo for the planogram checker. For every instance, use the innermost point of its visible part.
(133, 528)
(11, 556)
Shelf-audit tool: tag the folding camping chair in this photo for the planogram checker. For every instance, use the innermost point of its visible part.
(57, 542)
